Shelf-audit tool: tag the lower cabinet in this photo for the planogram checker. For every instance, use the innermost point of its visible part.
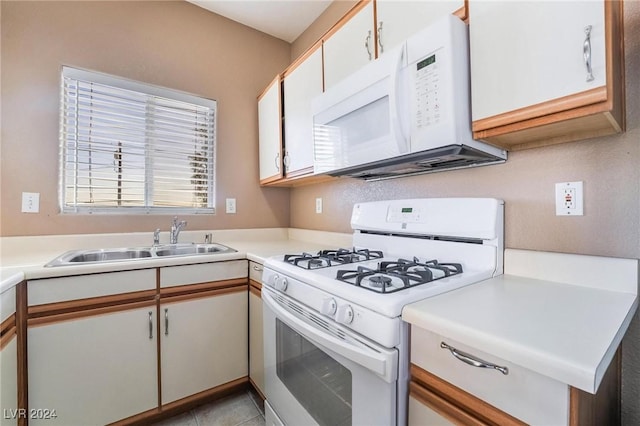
(203, 343)
(95, 369)
(256, 351)
(179, 337)
(443, 390)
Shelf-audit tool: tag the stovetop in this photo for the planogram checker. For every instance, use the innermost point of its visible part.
(381, 276)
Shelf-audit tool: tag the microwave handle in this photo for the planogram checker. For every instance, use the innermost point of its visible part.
(395, 97)
(367, 358)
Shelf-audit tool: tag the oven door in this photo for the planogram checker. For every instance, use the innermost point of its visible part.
(317, 372)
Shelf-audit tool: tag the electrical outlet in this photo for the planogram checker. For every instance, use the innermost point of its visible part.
(318, 205)
(569, 199)
(30, 202)
(231, 205)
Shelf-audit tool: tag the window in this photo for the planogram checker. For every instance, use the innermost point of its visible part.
(128, 147)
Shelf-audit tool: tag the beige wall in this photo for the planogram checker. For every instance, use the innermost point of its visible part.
(168, 43)
(609, 168)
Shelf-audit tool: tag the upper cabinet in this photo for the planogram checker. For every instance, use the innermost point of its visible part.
(270, 132)
(546, 72)
(350, 44)
(302, 83)
(398, 20)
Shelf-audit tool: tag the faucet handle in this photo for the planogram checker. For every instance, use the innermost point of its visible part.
(208, 238)
(156, 237)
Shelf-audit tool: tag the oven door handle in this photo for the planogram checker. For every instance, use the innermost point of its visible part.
(366, 357)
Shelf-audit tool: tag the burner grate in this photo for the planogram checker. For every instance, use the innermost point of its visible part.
(326, 258)
(392, 276)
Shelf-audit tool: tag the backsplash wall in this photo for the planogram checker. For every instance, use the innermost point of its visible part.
(608, 166)
(173, 44)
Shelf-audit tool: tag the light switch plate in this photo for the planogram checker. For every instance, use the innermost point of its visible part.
(569, 199)
(231, 205)
(318, 205)
(30, 202)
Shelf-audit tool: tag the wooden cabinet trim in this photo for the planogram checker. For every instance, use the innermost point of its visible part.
(255, 286)
(443, 407)
(347, 16)
(543, 110)
(8, 330)
(195, 289)
(22, 350)
(185, 404)
(204, 293)
(471, 404)
(88, 312)
(300, 59)
(58, 308)
(276, 80)
(463, 12)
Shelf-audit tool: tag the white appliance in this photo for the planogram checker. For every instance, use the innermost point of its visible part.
(407, 112)
(336, 349)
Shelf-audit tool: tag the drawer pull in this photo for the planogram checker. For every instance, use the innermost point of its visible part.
(257, 268)
(471, 360)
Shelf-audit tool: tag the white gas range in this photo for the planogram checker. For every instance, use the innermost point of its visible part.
(336, 349)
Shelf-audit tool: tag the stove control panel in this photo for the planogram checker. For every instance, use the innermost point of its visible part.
(404, 214)
(345, 314)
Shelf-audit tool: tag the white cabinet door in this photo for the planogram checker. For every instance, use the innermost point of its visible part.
(94, 370)
(9, 382)
(256, 351)
(350, 47)
(204, 345)
(524, 53)
(270, 132)
(398, 20)
(301, 85)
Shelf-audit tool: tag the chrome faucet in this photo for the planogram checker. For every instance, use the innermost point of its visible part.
(176, 227)
(156, 237)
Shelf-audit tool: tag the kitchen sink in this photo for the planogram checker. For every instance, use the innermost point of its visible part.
(82, 257)
(191, 249)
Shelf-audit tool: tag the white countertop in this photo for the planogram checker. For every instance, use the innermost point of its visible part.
(565, 331)
(23, 258)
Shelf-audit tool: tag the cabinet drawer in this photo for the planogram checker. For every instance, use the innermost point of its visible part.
(62, 289)
(202, 273)
(255, 271)
(522, 393)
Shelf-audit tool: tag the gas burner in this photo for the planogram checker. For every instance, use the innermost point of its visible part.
(326, 258)
(391, 276)
(307, 260)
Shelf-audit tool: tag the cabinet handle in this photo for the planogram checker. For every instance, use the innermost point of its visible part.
(286, 161)
(367, 41)
(380, 38)
(278, 161)
(471, 360)
(150, 325)
(166, 321)
(257, 268)
(586, 52)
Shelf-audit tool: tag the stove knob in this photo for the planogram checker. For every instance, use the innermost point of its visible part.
(329, 306)
(274, 280)
(282, 285)
(345, 314)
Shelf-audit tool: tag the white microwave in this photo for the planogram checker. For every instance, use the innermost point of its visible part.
(407, 112)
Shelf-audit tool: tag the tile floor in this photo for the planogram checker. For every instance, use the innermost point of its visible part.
(241, 409)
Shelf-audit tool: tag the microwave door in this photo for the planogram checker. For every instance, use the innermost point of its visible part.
(360, 123)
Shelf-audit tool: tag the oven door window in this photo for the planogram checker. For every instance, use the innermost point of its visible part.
(319, 383)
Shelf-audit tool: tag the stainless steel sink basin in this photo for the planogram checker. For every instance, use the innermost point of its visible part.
(82, 257)
(191, 249)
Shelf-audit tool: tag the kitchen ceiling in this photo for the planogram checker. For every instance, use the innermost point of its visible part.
(284, 19)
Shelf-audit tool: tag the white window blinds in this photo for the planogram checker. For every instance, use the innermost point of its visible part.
(128, 147)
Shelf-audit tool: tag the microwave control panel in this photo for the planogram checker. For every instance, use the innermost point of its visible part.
(427, 91)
